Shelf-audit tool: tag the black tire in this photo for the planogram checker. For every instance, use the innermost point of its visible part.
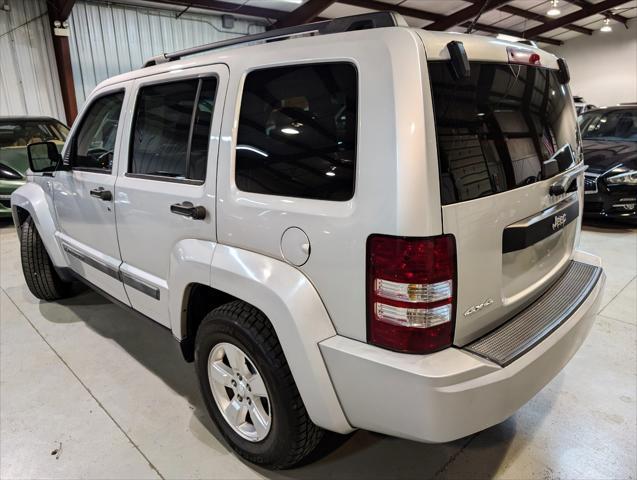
(292, 434)
(42, 279)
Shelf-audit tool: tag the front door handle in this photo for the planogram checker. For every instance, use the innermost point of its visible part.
(187, 209)
(102, 194)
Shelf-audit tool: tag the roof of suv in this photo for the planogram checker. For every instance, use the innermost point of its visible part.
(28, 118)
(478, 47)
(610, 108)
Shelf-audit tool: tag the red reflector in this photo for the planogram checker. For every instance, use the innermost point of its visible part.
(412, 340)
(523, 56)
(410, 292)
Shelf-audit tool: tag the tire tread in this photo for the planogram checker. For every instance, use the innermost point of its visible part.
(39, 272)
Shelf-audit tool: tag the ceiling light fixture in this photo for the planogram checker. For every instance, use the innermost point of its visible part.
(554, 11)
(508, 38)
(606, 27)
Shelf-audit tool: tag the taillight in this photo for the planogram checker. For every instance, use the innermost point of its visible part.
(410, 292)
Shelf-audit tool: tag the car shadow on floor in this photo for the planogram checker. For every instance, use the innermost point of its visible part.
(361, 455)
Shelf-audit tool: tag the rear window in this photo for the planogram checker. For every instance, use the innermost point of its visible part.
(22, 132)
(499, 129)
(613, 125)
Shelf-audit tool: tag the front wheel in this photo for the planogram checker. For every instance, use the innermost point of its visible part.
(248, 388)
(42, 279)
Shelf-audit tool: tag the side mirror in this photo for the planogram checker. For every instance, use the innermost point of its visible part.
(44, 157)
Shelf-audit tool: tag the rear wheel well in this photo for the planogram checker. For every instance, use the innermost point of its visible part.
(201, 299)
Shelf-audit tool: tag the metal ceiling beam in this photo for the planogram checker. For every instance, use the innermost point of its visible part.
(581, 14)
(614, 16)
(303, 14)
(540, 18)
(408, 12)
(465, 14)
(61, 8)
(491, 29)
(229, 8)
(432, 17)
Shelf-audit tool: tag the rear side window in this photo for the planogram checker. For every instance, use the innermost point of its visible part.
(499, 129)
(171, 129)
(297, 132)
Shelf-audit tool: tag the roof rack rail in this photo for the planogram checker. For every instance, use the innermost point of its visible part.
(336, 25)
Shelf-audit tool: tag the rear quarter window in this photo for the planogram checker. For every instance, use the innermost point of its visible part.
(297, 132)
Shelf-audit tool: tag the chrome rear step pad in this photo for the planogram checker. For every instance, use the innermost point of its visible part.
(528, 328)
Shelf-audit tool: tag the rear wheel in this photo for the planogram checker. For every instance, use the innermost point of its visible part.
(42, 279)
(249, 390)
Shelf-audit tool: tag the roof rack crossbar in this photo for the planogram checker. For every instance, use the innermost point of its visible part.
(337, 25)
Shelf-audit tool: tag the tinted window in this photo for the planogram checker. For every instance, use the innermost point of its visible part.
(95, 140)
(19, 133)
(499, 129)
(616, 125)
(297, 132)
(172, 129)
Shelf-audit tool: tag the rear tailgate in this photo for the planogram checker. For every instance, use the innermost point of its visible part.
(505, 136)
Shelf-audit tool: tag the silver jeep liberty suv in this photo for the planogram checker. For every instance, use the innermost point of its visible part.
(358, 225)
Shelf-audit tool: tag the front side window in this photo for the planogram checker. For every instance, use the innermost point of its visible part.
(171, 129)
(95, 140)
(297, 132)
(500, 129)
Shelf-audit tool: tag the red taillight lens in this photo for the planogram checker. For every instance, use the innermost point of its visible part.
(410, 292)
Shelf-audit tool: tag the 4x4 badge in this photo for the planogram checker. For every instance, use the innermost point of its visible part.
(476, 308)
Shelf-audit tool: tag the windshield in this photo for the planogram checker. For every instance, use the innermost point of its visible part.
(499, 129)
(20, 133)
(614, 125)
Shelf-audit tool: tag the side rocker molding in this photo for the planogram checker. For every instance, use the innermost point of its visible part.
(298, 316)
(32, 198)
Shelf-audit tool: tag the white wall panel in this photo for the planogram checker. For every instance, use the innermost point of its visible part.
(603, 66)
(28, 75)
(109, 38)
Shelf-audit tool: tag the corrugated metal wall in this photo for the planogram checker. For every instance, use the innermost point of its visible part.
(28, 75)
(108, 39)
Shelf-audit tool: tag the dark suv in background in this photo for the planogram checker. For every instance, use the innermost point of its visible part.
(610, 151)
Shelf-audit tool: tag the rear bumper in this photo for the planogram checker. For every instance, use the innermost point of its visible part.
(452, 393)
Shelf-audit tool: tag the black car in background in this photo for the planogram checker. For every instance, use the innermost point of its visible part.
(610, 151)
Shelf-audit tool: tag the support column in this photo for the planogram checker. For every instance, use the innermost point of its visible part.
(65, 74)
(59, 13)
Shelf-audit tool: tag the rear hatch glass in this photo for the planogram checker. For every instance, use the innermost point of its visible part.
(504, 135)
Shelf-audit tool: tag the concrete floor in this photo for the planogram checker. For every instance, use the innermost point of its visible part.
(89, 391)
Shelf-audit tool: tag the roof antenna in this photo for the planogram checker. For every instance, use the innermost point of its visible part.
(475, 19)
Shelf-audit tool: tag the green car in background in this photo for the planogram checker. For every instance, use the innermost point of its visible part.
(15, 134)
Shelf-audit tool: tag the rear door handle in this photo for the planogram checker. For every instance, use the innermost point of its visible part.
(102, 194)
(187, 209)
